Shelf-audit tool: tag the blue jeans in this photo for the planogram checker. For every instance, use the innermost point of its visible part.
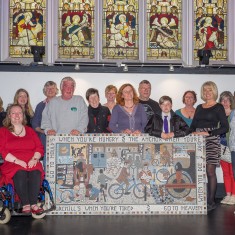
(233, 162)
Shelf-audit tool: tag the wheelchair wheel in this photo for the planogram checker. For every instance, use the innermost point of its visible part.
(5, 218)
(35, 216)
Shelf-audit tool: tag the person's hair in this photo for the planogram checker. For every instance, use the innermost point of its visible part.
(165, 98)
(7, 121)
(193, 93)
(214, 88)
(91, 91)
(65, 79)
(50, 83)
(1, 105)
(229, 95)
(120, 99)
(144, 82)
(109, 88)
(28, 107)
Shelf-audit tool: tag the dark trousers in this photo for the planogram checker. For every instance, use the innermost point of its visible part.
(27, 186)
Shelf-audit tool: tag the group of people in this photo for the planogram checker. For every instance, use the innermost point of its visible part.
(23, 136)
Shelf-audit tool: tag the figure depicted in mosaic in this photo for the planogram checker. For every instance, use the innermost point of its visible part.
(210, 25)
(120, 29)
(164, 29)
(76, 23)
(27, 19)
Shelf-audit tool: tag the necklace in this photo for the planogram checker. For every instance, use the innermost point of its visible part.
(19, 132)
(189, 113)
(129, 107)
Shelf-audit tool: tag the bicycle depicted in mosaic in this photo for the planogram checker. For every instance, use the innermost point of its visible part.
(116, 190)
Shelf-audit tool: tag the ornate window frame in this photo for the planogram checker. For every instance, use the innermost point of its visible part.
(52, 36)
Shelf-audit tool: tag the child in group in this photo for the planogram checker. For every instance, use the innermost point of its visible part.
(166, 125)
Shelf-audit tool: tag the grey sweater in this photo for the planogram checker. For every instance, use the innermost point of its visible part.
(63, 116)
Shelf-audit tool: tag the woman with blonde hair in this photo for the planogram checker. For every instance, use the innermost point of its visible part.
(110, 94)
(22, 98)
(210, 121)
(128, 116)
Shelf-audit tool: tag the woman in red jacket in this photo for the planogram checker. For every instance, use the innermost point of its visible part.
(21, 150)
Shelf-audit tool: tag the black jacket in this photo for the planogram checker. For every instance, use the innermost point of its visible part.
(98, 123)
(177, 125)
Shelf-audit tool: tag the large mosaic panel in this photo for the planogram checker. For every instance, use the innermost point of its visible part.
(120, 29)
(211, 28)
(120, 174)
(76, 29)
(27, 26)
(164, 30)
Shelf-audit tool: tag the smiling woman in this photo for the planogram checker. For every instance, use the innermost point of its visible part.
(99, 115)
(210, 121)
(21, 150)
(128, 115)
(22, 98)
(187, 113)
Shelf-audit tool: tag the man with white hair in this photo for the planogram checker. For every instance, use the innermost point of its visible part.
(66, 114)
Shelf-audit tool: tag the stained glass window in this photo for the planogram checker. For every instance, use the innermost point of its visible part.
(76, 29)
(211, 28)
(164, 29)
(120, 29)
(27, 26)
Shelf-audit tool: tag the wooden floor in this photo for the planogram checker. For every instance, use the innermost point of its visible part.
(221, 221)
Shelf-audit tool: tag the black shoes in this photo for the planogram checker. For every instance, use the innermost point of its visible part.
(211, 206)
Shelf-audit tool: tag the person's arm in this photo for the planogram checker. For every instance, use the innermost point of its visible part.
(108, 117)
(181, 128)
(193, 125)
(144, 118)
(83, 116)
(113, 124)
(223, 122)
(37, 118)
(46, 124)
(38, 151)
(152, 128)
(6, 155)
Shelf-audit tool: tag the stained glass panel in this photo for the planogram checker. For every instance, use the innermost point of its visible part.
(27, 26)
(120, 29)
(211, 28)
(76, 29)
(164, 30)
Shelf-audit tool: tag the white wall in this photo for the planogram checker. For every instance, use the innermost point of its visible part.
(173, 85)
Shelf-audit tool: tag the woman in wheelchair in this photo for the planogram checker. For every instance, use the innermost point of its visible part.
(21, 150)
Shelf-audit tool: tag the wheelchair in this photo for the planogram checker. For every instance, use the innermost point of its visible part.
(9, 206)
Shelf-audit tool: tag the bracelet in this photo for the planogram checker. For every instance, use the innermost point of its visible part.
(35, 159)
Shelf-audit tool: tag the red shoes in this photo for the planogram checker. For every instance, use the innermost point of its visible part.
(26, 209)
(36, 210)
